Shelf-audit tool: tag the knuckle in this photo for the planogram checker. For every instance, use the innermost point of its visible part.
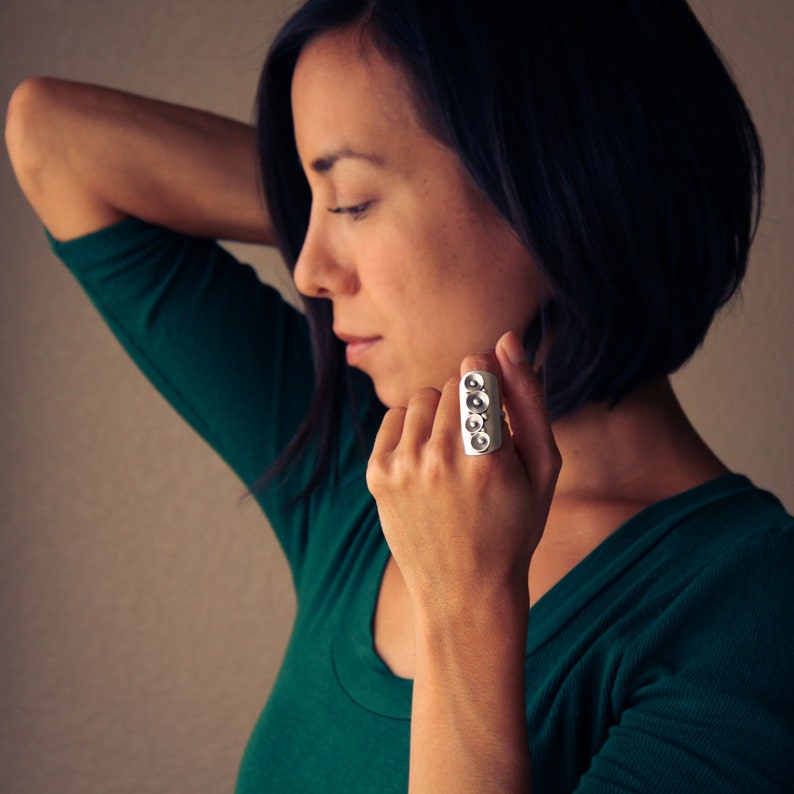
(377, 474)
(373, 478)
(437, 462)
(389, 473)
(551, 465)
(394, 415)
(426, 394)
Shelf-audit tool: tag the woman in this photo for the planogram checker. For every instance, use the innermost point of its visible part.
(574, 182)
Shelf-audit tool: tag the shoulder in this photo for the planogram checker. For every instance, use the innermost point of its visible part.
(723, 520)
(723, 607)
(706, 686)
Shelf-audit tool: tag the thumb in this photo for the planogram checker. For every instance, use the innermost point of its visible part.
(526, 411)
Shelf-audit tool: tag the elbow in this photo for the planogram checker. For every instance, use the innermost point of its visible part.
(28, 131)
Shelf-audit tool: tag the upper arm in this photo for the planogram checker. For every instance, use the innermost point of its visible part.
(87, 156)
(710, 709)
(224, 349)
(60, 194)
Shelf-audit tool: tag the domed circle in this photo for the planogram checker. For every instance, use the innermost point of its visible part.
(477, 402)
(473, 381)
(474, 423)
(480, 442)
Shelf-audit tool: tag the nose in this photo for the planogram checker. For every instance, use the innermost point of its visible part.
(324, 268)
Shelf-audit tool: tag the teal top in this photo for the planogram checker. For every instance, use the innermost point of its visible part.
(663, 662)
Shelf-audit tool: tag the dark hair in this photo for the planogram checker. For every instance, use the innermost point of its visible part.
(611, 137)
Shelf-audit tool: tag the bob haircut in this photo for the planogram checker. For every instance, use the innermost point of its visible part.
(610, 136)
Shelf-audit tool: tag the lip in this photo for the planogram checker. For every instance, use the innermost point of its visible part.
(357, 346)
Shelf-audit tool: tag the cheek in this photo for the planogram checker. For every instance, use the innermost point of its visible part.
(488, 284)
(403, 269)
(510, 280)
(453, 279)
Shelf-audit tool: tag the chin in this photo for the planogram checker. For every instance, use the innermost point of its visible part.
(391, 397)
(395, 392)
(392, 390)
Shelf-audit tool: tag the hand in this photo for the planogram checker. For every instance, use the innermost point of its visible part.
(458, 525)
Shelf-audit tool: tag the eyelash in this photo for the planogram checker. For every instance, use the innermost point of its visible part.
(356, 212)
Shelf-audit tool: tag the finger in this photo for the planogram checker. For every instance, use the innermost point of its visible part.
(526, 409)
(486, 362)
(419, 418)
(446, 427)
(389, 434)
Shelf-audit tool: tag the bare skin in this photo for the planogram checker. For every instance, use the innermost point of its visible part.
(87, 157)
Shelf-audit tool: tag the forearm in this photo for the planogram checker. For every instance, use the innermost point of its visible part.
(86, 156)
(462, 530)
(468, 727)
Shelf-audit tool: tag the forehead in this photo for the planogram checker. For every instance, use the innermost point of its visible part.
(346, 95)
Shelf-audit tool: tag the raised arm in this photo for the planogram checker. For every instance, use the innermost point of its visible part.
(462, 531)
(87, 156)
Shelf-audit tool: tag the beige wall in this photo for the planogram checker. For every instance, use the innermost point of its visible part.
(144, 604)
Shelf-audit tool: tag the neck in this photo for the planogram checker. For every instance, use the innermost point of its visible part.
(642, 450)
(616, 463)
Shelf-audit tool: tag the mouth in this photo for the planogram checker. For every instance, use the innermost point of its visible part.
(356, 347)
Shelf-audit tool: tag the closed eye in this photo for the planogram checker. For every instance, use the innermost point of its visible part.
(356, 212)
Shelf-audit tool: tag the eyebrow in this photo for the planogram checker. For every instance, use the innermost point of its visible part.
(322, 165)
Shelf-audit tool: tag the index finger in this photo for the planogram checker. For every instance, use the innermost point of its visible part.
(526, 409)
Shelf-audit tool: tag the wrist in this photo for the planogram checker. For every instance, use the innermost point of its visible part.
(484, 620)
(468, 704)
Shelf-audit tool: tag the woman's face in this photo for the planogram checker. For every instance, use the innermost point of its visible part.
(420, 269)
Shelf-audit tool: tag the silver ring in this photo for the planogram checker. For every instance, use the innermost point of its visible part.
(480, 414)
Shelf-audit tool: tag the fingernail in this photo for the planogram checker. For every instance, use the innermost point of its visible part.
(513, 348)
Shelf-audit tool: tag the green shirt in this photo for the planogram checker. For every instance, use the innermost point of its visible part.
(664, 662)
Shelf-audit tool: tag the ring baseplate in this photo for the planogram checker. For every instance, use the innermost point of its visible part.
(480, 413)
